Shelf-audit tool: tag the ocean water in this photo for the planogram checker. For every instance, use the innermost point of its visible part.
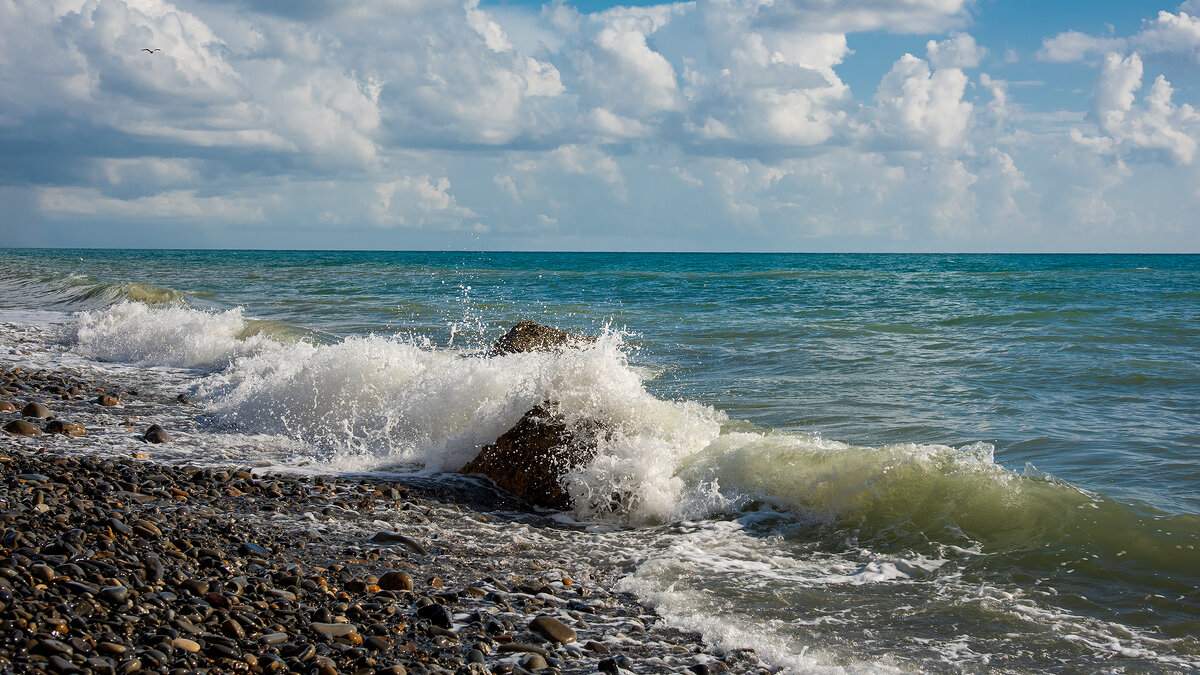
(859, 463)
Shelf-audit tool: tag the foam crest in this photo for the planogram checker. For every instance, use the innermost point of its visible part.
(176, 336)
(382, 402)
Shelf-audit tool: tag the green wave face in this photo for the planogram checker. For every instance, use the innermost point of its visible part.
(921, 497)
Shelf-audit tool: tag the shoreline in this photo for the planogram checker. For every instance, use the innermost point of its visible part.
(125, 564)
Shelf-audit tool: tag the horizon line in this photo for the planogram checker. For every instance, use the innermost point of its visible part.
(585, 251)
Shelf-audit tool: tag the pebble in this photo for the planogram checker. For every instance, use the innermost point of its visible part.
(552, 629)
(107, 400)
(189, 646)
(396, 581)
(335, 629)
(534, 662)
(35, 409)
(22, 428)
(156, 434)
(113, 595)
(395, 538)
(65, 428)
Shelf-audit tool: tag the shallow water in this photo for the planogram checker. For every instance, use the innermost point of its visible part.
(860, 462)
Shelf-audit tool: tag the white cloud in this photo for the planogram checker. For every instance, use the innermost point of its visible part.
(615, 68)
(1167, 33)
(507, 185)
(667, 118)
(1074, 46)
(415, 201)
(960, 51)
(589, 161)
(144, 171)
(900, 16)
(173, 205)
(613, 126)
(1157, 129)
(919, 109)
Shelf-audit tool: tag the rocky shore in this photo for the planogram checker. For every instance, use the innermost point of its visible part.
(120, 564)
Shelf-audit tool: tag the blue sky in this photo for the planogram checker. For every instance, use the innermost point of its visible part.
(772, 125)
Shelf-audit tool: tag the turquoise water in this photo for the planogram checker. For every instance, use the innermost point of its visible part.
(1012, 439)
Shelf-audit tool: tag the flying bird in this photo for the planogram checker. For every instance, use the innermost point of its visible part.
(147, 49)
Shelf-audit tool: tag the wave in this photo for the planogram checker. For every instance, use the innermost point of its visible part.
(384, 402)
(71, 291)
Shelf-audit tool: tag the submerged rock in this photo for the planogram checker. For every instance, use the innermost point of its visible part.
(529, 336)
(530, 459)
(156, 434)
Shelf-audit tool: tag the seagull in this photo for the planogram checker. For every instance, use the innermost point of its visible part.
(147, 49)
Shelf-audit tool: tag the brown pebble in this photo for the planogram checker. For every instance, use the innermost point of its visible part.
(156, 434)
(65, 428)
(7, 406)
(35, 409)
(22, 428)
(189, 646)
(396, 581)
(107, 400)
(552, 629)
(596, 647)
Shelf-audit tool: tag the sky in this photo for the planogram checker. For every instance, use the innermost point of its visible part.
(712, 125)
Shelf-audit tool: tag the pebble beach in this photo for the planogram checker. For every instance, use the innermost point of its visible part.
(121, 564)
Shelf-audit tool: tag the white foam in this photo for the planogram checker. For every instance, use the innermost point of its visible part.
(176, 336)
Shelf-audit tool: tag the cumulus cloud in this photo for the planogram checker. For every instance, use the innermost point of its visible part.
(615, 68)
(920, 109)
(415, 201)
(1156, 129)
(1168, 33)
(960, 51)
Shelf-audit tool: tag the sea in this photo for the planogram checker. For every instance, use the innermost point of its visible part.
(846, 462)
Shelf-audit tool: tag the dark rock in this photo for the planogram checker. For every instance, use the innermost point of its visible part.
(552, 629)
(65, 428)
(113, 595)
(529, 459)
(596, 647)
(529, 336)
(396, 581)
(22, 428)
(250, 548)
(335, 629)
(534, 662)
(35, 409)
(394, 538)
(436, 614)
(106, 400)
(156, 434)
